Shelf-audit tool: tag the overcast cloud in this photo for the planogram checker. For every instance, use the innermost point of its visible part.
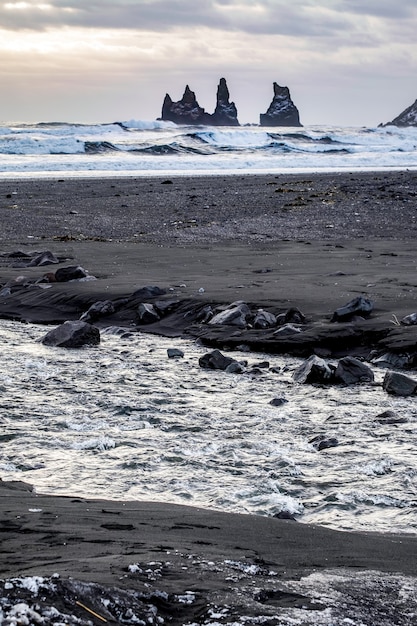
(345, 61)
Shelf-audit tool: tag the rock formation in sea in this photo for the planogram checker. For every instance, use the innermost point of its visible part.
(406, 118)
(188, 111)
(225, 113)
(282, 110)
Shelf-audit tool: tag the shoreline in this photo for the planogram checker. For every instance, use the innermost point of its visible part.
(275, 243)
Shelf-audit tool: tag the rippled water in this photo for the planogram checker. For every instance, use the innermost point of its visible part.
(122, 421)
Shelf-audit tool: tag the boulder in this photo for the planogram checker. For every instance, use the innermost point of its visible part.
(175, 353)
(399, 384)
(350, 371)
(282, 110)
(147, 314)
(215, 361)
(235, 368)
(72, 272)
(101, 308)
(391, 359)
(390, 417)
(321, 442)
(359, 306)
(225, 113)
(72, 335)
(314, 370)
(235, 315)
(407, 118)
(185, 111)
(264, 319)
(278, 401)
(291, 316)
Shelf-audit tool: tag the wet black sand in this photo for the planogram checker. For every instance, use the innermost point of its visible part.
(313, 242)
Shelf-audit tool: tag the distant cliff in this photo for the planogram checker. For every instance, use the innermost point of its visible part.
(282, 110)
(406, 118)
(188, 111)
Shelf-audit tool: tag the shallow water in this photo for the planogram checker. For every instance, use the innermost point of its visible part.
(122, 421)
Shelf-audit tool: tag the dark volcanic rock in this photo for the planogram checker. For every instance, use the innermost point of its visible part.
(359, 306)
(409, 320)
(314, 370)
(282, 110)
(72, 335)
(399, 384)
(185, 111)
(264, 319)
(175, 353)
(147, 314)
(188, 111)
(321, 442)
(215, 361)
(72, 272)
(406, 118)
(225, 113)
(236, 315)
(350, 371)
(101, 308)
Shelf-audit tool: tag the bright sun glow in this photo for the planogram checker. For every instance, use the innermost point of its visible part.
(21, 6)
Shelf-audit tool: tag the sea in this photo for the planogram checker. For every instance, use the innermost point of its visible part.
(123, 421)
(141, 148)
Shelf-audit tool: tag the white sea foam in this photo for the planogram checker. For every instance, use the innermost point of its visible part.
(147, 148)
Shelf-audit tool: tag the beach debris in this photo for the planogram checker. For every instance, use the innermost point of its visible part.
(314, 370)
(321, 442)
(264, 319)
(175, 353)
(201, 290)
(215, 360)
(399, 384)
(72, 334)
(359, 306)
(147, 314)
(71, 272)
(350, 371)
(101, 308)
(235, 314)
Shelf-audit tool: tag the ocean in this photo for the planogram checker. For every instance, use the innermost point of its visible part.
(140, 148)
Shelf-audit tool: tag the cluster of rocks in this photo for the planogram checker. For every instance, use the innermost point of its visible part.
(281, 112)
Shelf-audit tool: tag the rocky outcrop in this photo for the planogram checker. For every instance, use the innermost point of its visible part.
(188, 111)
(185, 111)
(406, 118)
(225, 113)
(282, 110)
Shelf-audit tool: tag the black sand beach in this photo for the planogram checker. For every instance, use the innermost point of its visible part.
(313, 242)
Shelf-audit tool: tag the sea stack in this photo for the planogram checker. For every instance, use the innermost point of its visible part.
(406, 118)
(225, 113)
(282, 110)
(185, 111)
(188, 111)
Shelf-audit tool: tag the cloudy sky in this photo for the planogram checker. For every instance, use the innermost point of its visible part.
(346, 62)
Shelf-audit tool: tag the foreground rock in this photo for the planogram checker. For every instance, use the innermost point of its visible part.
(282, 110)
(351, 371)
(314, 370)
(399, 385)
(217, 361)
(358, 307)
(72, 335)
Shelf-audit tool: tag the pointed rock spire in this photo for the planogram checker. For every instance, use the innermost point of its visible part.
(225, 113)
(282, 110)
(406, 118)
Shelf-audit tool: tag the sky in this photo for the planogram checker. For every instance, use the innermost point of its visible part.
(346, 62)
